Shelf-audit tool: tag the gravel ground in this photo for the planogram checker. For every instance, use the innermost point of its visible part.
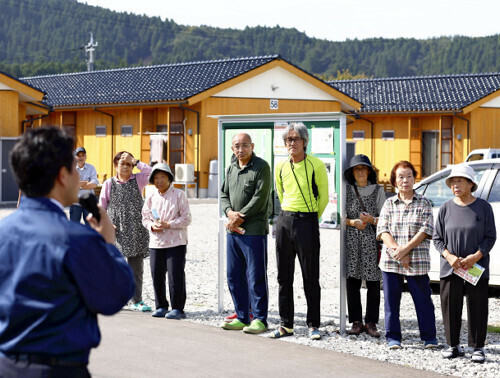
(201, 306)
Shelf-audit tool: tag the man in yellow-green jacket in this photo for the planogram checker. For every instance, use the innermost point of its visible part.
(302, 188)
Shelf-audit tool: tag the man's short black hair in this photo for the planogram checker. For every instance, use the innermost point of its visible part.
(38, 157)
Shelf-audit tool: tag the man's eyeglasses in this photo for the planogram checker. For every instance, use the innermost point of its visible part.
(243, 146)
(292, 140)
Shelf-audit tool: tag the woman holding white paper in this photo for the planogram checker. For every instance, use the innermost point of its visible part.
(166, 215)
(464, 235)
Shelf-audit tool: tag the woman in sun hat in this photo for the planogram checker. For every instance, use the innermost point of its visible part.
(166, 215)
(464, 235)
(361, 246)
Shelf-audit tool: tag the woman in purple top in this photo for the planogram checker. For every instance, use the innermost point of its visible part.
(464, 235)
(121, 196)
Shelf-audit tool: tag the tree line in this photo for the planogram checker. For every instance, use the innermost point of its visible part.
(39, 37)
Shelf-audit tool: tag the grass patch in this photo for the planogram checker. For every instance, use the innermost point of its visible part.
(494, 328)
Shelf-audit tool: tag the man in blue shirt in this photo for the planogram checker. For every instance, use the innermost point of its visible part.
(88, 181)
(56, 275)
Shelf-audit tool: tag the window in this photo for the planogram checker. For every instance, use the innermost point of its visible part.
(100, 131)
(358, 135)
(387, 134)
(126, 130)
(438, 192)
(495, 190)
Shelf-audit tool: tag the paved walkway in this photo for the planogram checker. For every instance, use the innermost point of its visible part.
(138, 345)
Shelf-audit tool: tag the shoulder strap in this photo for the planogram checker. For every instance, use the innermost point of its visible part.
(361, 204)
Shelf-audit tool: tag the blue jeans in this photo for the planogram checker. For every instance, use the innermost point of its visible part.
(75, 214)
(420, 291)
(247, 275)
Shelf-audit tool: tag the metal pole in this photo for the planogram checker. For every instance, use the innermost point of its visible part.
(342, 286)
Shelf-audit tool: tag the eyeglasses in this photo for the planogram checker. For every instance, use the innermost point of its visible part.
(292, 140)
(243, 146)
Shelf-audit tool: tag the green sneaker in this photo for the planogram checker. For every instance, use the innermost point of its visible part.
(235, 325)
(255, 327)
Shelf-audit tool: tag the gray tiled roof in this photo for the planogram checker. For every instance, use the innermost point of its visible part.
(419, 93)
(163, 83)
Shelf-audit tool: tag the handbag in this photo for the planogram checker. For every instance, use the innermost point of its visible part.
(363, 208)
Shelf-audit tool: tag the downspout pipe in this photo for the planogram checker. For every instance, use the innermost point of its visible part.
(197, 146)
(23, 123)
(357, 116)
(112, 134)
(468, 128)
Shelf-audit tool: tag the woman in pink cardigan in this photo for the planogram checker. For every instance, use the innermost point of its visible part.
(166, 215)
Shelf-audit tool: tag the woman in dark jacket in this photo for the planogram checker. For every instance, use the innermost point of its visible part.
(464, 235)
(361, 244)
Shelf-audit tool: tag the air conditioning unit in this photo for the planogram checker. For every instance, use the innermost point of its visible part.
(184, 172)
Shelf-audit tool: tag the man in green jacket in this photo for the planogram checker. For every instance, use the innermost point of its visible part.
(245, 199)
(302, 188)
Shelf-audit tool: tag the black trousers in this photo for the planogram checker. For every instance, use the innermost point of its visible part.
(10, 368)
(452, 290)
(173, 261)
(354, 300)
(297, 234)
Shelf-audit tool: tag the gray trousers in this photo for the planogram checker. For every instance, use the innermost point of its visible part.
(136, 263)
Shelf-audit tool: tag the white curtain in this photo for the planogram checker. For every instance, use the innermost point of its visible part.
(157, 143)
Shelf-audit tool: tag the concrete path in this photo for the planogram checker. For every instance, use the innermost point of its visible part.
(138, 345)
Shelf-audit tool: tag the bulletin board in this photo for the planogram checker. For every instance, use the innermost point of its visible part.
(324, 143)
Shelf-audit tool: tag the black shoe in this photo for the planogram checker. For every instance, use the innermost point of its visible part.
(453, 352)
(478, 355)
(159, 312)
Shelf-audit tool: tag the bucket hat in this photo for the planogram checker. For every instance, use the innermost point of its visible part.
(360, 160)
(161, 167)
(462, 170)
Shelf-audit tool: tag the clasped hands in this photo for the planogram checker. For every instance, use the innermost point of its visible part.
(401, 254)
(364, 219)
(160, 226)
(459, 262)
(235, 219)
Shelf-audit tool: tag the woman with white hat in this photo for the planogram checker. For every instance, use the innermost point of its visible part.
(166, 215)
(464, 235)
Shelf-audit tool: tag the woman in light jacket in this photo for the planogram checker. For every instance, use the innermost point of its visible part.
(166, 215)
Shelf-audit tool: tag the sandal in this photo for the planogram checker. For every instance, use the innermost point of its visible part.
(280, 332)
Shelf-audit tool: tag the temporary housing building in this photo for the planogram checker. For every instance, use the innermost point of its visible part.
(162, 112)
(431, 121)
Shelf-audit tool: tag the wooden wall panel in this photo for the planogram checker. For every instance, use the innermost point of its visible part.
(9, 114)
(485, 128)
(362, 146)
(223, 106)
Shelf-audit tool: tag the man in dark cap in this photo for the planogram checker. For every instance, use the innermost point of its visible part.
(88, 181)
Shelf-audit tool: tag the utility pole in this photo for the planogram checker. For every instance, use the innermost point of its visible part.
(89, 49)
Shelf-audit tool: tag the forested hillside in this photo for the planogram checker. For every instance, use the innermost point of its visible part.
(46, 37)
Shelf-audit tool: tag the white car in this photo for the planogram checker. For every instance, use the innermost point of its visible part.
(487, 174)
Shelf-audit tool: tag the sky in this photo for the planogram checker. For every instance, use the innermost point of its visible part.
(333, 20)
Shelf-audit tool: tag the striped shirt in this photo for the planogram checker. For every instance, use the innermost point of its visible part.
(403, 221)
